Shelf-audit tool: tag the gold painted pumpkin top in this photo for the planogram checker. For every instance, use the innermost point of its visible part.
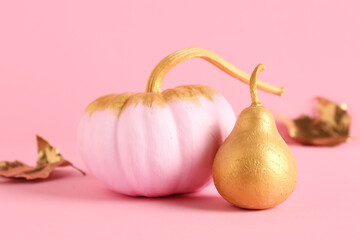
(154, 96)
(118, 102)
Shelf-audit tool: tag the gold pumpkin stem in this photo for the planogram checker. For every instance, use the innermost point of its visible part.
(253, 90)
(159, 72)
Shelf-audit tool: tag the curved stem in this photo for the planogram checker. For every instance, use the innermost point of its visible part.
(253, 89)
(159, 72)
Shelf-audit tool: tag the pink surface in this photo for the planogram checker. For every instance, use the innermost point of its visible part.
(58, 56)
(325, 205)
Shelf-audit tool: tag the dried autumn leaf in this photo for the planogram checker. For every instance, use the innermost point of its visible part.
(329, 128)
(48, 159)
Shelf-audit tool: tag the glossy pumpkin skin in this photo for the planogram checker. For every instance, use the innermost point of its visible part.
(155, 144)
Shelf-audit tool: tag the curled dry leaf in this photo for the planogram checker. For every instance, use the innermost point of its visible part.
(329, 128)
(48, 159)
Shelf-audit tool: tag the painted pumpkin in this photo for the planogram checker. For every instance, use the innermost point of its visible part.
(159, 143)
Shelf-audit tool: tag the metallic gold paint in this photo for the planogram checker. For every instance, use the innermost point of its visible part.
(330, 126)
(254, 168)
(118, 102)
(154, 96)
(48, 159)
(159, 72)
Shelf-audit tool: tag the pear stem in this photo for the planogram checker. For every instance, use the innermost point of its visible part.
(253, 89)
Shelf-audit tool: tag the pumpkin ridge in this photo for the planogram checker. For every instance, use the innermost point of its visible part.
(176, 185)
(118, 164)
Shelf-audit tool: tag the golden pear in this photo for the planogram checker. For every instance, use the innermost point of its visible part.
(254, 168)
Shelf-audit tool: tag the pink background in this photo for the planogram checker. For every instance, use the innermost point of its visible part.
(58, 56)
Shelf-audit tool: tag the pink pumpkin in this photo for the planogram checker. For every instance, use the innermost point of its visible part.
(159, 143)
